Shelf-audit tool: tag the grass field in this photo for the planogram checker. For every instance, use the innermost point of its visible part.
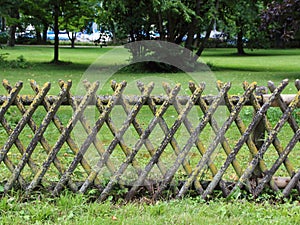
(259, 65)
(72, 209)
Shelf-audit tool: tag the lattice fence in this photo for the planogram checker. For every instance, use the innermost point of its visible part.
(154, 145)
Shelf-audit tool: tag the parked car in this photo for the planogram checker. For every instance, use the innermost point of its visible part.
(105, 36)
(233, 41)
(62, 36)
(154, 35)
(26, 35)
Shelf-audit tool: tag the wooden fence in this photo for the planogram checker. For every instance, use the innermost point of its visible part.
(158, 149)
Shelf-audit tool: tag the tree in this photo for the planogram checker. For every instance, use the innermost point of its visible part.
(39, 14)
(241, 17)
(175, 21)
(20, 13)
(75, 16)
(56, 13)
(60, 8)
(3, 23)
(10, 11)
(71, 15)
(281, 20)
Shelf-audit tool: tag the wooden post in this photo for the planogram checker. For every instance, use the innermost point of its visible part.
(258, 135)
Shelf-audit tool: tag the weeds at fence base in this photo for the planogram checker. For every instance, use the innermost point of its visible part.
(143, 196)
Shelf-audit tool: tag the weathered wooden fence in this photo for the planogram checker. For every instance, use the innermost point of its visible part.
(250, 148)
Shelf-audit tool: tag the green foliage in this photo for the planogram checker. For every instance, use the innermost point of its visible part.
(171, 19)
(76, 15)
(274, 115)
(20, 62)
(242, 17)
(281, 19)
(3, 37)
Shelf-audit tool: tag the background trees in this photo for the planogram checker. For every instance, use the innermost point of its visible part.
(184, 22)
(180, 22)
(240, 20)
(70, 15)
(188, 22)
(75, 15)
(10, 13)
(37, 13)
(281, 20)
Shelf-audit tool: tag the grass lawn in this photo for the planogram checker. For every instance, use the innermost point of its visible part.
(258, 65)
(77, 209)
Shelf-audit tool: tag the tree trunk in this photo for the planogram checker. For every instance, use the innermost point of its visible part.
(12, 39)
(190, 37)
(73, 43)
(132, 37)
(56, 32)
(171, 28)
(160, 27)
(113, 31)
(202, 45)
(38, 34)
(208, 31)
(279, 43)
(240, 43)
(197, 40)
(191, 30)
(240, 34)
(45, 29)
(14, 13)
(3, 24)
(72, 39)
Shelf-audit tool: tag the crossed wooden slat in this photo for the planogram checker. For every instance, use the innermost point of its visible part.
(168, 173)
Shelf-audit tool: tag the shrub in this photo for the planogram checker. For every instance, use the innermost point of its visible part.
(20, 62)
(3, 37)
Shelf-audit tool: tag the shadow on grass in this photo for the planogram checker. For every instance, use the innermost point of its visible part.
(62, 65)
(251, 69)
(272, 52)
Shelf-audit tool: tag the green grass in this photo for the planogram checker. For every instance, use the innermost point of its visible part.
(259, 65)
(42, 71)
(77, 209)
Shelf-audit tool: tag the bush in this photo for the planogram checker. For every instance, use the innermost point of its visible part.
(20, 62)
(3, 37)
(161, 57)
(26, 40)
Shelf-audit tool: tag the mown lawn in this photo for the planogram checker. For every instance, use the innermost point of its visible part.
(77, 209)
(258, 65)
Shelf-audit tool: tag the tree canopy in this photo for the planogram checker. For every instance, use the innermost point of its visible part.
(184, 22)
(187, 22)
(281, 19)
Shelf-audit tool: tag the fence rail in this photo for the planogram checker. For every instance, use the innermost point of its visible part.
(153, 145)
(158, 100)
